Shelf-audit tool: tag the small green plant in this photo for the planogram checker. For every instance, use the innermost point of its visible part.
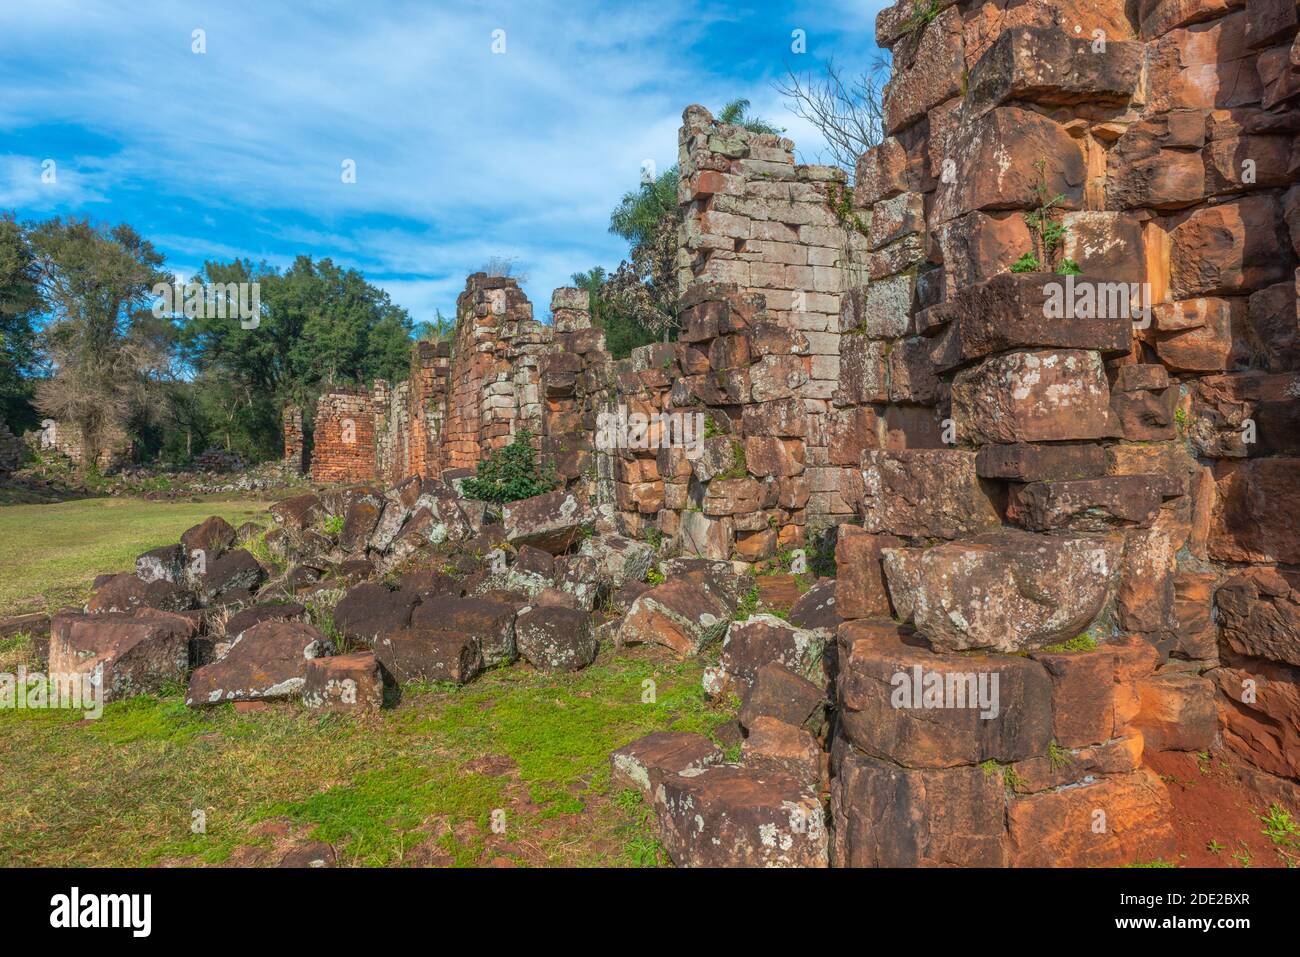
(511, 473)
(1214, 847)
(747, 606)
(739, 467)
(1058, 757)
(1279, 827)
(333, 524)
(1045, 230)
(1011, 780)
(1243, 857)
(1083, 642)
(654, 577)
(839, 198)
(1026, 263)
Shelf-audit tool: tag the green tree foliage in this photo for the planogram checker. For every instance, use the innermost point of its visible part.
(441, 329)
(622, 332)
(321, 325)
(511, 473)
(20, 303)
(107, 350)
(640, 211)
(737, 113)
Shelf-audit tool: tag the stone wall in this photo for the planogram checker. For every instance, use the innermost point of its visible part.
(1065, 494)
(754, 218)
(294, 460)
(11, 449)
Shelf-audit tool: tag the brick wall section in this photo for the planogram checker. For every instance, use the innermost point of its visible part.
(755, 218)
(343, 447)
(494, 370)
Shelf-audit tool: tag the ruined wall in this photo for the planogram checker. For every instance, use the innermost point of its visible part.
(1066, 491)
(344, 437)
(755, 218)
(294, 460)
(494, 372)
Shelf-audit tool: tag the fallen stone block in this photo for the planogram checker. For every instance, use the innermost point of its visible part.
(162, 564)
(641, 765)
(210, 538)
(619, 560)
(429, 654)
(371, 609)
(774, 745)
(235, 571)
(269, 661)
(126, 592)
(764, 639)
(818, 607)
(679, 614)
(138, 654)
(486, 620)
(554, 638)
(553, 521)
(777, 692)
(351, 684)
(726, 815)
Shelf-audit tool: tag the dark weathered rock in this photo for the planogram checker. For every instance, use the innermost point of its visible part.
(369, 610)
(555, 638)
(210, 539)
(299, 513)
(763, 639)
(553, 521)
(642, 764)
(887, 816)
(818, 606)
(138, 654)
(1259, 615)
(236, 570)
(350, 684)
(1006, 591)
(488, 621)
(269, 661)
(429, 654)
(1024, 462)
(162, 564)
(1089, 505)
(726, 815)
(126, 592)
(905, 704)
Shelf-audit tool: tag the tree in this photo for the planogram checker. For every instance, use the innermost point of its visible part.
(737, 113)
(441, 329)
(640, 211)
(20, 303)
(321, 325)
(847, 113)
(622, 332)
(106, 347)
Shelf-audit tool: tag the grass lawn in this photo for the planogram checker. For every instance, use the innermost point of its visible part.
(423, 783)
(49, 554)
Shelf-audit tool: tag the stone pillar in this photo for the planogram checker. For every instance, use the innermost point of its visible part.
(294, 450)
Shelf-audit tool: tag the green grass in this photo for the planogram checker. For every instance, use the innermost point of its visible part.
(383, 790)
(49, 554)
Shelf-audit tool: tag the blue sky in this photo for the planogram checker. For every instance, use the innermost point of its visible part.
(461, 154)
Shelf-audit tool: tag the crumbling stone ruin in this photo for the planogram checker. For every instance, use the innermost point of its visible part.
(1033, 382)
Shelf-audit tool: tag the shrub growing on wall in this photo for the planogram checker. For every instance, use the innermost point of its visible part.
(511, 473)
